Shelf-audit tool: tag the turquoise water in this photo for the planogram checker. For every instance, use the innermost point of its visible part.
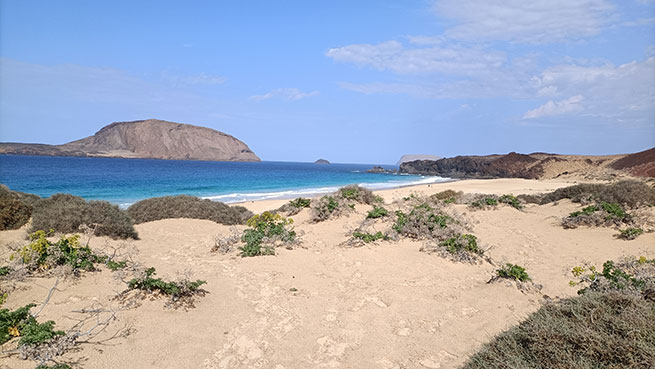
(125, 181)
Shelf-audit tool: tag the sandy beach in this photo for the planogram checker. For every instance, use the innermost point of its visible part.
(324, 304)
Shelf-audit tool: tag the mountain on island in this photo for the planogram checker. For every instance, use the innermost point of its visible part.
(151, 139)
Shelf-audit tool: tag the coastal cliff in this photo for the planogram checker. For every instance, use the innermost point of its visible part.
(151, 139)
(536, 166)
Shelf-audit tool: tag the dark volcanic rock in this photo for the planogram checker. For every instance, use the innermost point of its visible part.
(639, 164)
(321, 161)
(379, 169)
(512, 165)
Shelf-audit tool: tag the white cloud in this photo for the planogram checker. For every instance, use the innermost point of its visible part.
(194, 79)
(534, 21)
(285, 94)
(394, 56)
(615, 92)
(572, 104)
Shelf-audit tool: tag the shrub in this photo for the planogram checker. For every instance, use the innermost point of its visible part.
(369, 237)
(377, 212)
(66, 213)
(446, 195)
(423, 221)
(603, 214)
(56, 366)
(15, 208)
(358, 194)
(42, 254)
(294, 207)
(266, 229)
(327, 207)
(597, 330)
(630, 233)
(631, 276)
(628, 193)
(512, 271)
(180, 293)
(184, 206)
(19, 323)
(511, 200)
(461, 242)
(485, 201)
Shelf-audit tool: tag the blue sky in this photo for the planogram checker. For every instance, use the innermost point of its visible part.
(362, 82)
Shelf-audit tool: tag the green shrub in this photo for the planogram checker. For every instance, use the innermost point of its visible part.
(300, 203)
(175, 290)
(423, 221)
(461, 242)
(184, 206)
(512, 271)
(630, 233)
(42, 254)
(19, 323)
(56, 366)
(603, 214)
(116, 265)
(4, 271)
(377, 212)
(369, 237)
(631, 276)
(327, 207)
(511, 200)
(66, 213)
(596, 330)
(265, 230)
(358, 194)
(628, 193)
(486, 201)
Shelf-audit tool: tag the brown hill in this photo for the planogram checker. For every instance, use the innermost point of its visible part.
(155, 139)
(641, 164)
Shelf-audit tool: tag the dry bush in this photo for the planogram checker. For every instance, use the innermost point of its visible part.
(294, 206)
(595, 330)
(628, 193)
(329, 206)
(598, 215)
(184, 206)
(358, 194)
(15, 208)
(66, 213)
(629, 276)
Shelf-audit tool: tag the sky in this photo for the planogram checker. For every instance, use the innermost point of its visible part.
(348, 81)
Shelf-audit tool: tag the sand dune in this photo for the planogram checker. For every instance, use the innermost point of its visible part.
(324, 305)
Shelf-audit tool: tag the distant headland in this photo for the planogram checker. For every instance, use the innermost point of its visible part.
(146, 139)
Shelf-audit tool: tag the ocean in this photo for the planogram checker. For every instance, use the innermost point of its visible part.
(126, 181)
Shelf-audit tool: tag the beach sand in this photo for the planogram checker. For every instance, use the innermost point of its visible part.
(323, 304)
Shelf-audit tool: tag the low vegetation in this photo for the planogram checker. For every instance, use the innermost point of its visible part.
(184, 206)
(266, 231)
(512, 271)
(596, 330)
(628, 193)
(486, 201)
(181, 293)
(342, 201)
(295, 206)
(370, 237)
(377, 212)
(15, 208)
(67, 213)
(602, 214)
(630, 233)
(610, 325)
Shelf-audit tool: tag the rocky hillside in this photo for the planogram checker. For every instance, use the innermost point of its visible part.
(155, 139)
(537, 166)
(413, 157)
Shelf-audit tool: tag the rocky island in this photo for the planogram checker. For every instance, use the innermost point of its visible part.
(146, 139)
(321, 161)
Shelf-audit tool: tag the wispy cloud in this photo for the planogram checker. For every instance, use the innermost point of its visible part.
(572, 104)
(193, 79)
(417, 59)
(535, 21)
(290, 94)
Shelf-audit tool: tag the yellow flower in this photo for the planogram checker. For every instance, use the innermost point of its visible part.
(13, 331)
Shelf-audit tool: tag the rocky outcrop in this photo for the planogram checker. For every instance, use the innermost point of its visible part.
(321, 161)
(413, 157)
(492, 166)
(379, 169)
(153, 139)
